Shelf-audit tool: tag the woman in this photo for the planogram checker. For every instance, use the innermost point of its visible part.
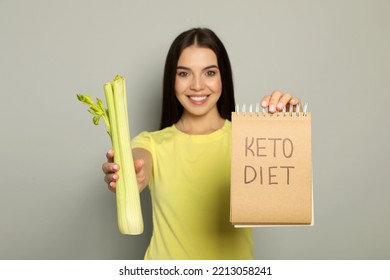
(186, 163)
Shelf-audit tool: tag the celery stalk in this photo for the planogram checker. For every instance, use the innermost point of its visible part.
(127, 194)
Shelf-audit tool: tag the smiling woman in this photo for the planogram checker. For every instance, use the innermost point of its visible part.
(186, 163)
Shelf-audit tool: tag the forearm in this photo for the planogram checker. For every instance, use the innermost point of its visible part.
(144, 173)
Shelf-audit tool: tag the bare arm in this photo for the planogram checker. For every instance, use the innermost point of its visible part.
(143, 167)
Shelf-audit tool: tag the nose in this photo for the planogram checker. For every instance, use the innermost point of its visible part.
(197, 83)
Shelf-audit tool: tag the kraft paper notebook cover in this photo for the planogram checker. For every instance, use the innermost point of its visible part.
(271, 169)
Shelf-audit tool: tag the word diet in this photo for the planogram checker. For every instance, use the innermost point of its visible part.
(278, 149)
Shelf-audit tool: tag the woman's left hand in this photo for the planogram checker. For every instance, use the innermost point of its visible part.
(278, 100)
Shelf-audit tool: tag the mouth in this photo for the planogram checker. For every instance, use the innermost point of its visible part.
(198, 99)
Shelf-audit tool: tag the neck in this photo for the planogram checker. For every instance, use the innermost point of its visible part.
(197, 125)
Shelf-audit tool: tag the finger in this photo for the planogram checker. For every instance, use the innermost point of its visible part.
(283, 101)
(265, 101)
(295, 101)
(110, 155)
(141, 177)
(138, 165)
(111, 178)
(110, 167)
(275, 97)
(112, 186)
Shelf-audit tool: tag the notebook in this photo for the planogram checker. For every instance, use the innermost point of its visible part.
(271, 168)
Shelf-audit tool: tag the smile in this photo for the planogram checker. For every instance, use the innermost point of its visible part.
(198, 98)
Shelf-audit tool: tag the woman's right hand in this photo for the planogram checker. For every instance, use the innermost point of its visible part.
(110, 169)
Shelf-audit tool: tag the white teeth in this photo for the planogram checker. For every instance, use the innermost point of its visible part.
(198, 98)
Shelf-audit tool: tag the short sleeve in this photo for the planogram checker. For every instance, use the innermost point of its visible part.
(142, 140)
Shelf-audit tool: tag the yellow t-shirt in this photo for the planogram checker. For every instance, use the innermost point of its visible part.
(190, 191)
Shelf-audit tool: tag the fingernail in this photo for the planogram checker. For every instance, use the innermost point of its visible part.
(115, 177)
(115, 167)
(280, 105)
(264, 103)
(272, 108)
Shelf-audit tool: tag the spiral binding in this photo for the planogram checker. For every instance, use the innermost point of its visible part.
(263, 111)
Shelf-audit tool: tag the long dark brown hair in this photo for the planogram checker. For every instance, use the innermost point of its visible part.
(202, 37)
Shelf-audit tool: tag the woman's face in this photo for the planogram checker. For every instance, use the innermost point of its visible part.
(198, 83)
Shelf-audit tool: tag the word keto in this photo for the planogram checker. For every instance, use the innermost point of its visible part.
(256, 149)
(279, 149)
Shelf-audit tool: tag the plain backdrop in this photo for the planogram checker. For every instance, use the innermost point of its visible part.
(333, 54)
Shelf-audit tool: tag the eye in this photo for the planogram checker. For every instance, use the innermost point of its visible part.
(211, 73)
(183, 74)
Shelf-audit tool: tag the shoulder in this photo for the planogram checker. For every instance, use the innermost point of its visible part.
(158, 136)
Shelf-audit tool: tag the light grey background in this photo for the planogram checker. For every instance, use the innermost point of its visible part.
(333, 54)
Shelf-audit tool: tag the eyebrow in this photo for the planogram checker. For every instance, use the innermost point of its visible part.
(187, 68)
